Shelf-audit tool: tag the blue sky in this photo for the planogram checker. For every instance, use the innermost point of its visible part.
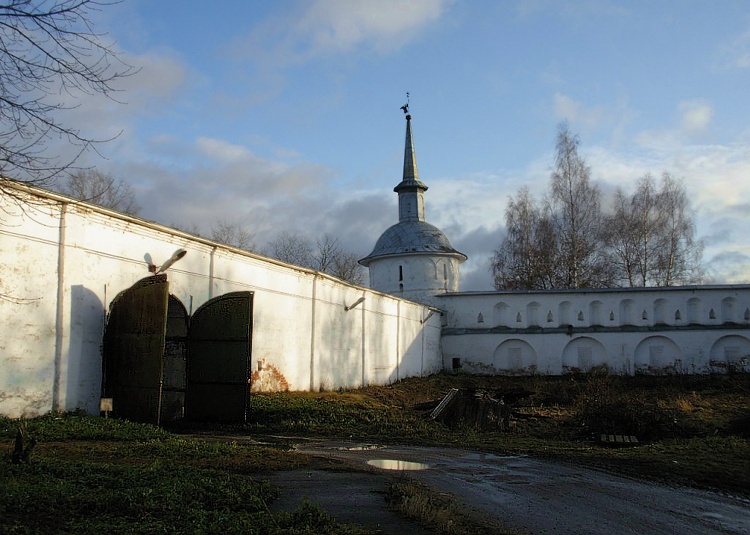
(284, 116)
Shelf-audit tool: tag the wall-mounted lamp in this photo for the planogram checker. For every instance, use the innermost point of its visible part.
(358, 301)
(179, 253)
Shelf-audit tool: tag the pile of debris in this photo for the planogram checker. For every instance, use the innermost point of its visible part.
(481, 409)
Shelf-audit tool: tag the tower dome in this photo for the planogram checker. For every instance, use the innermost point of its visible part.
(413, 259)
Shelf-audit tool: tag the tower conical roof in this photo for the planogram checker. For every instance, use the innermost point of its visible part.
(411, 174)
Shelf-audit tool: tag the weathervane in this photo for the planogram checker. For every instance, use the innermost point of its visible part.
(405, 107)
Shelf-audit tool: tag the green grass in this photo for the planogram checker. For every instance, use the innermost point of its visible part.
(91, 475)
(439, 512)
(693, 429)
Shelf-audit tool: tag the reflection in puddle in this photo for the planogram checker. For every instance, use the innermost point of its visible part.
(393, 464)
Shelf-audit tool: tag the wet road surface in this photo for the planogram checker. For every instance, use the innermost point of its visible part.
(543, 497)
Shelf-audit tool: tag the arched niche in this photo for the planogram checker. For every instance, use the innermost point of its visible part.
(627, 312)
(595, 312)
(515, 357)
(583, 354)
(532, 314)
(729, 310)
(730, 353)
(694, 307)
(565, 313)
(657, 355)
(500, 314)
(660, 312)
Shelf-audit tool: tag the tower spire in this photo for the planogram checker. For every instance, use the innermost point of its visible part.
(410, 190)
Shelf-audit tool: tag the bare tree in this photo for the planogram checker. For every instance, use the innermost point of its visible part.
(100, 188)
(621, 235)
(326, 256)
(48, 52)
(679, 253)
(567, 242)
(651, 235)
(347, 267)
(527, 257)
(332, 259)
(576, 205)
(292, 249)
(233, 234)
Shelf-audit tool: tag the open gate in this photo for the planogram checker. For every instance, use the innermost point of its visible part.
(133, 364)
(218, 363)
(175, 362)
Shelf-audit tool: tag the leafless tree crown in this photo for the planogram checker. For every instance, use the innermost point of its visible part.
(102, 189)
(234, 234)
(49, 55)
(327, 255)
(567, 242)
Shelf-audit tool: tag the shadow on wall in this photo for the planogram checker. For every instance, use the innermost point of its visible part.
(83, 373)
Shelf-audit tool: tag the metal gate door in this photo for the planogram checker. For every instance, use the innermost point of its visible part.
(134, 349)
(218, 363)
(175, 358)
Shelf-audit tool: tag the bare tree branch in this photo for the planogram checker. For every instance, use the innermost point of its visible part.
(49, 52)
(327, 255)
(234, 234)
(99, 188)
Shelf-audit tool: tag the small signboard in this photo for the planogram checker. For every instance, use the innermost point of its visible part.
(105, 406)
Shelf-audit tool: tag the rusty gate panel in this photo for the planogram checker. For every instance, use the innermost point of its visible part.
(134, 348)
(218, 364)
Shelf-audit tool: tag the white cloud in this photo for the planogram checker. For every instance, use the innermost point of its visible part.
(736, 53)
(221, 150)
(334, 26)
(695, 116)
(589, 117)
(386, 25)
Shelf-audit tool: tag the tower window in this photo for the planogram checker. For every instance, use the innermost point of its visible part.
(400, 287)
(445, 271)
(401, 273)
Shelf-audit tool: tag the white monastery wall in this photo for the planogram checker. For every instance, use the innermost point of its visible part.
(697, 329)
(63, 262)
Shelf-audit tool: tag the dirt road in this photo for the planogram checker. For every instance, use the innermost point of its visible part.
(551, 498)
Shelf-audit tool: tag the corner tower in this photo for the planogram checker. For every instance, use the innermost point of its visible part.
(413, 259)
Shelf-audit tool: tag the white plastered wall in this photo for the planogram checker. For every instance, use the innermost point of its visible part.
(64, 261)
(699, 329)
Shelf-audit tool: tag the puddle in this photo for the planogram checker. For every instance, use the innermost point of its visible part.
(364, 447)
(393, 464)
